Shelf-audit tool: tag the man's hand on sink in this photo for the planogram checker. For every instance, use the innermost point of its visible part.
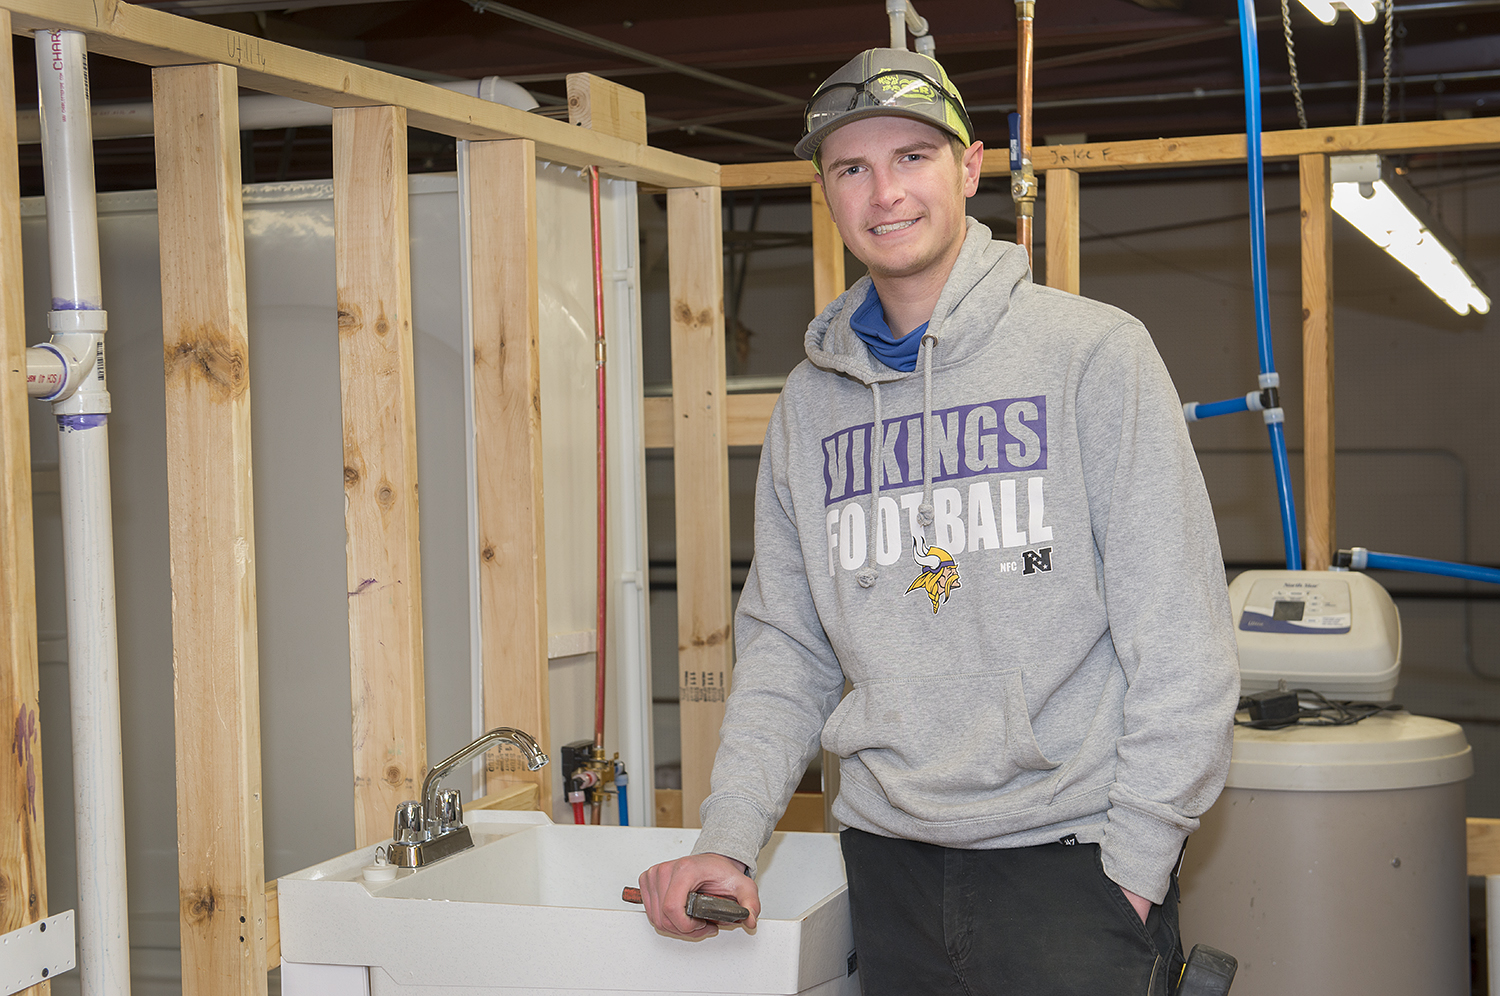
(665, 888)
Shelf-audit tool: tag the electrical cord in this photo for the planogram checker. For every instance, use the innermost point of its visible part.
(1324, 711)
(1291, 60)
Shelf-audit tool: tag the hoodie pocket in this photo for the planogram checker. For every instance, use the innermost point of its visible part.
(939, 744)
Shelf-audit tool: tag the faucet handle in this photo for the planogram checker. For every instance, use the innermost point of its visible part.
(450, 809)
(408, 828)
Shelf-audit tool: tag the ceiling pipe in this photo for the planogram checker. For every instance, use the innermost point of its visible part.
(1201, 94)
(625, 51)
(904, 17)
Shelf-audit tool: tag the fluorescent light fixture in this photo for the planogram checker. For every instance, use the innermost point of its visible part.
(1321, 9)
(1380, 205)
(1365, 10)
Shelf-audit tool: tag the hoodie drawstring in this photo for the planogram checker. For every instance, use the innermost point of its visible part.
(924, 510)
(870, 572)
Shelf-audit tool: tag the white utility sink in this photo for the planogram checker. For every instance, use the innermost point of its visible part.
(535, 908)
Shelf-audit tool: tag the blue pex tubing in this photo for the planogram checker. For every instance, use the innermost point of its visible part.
(1256, 174)
(1362, 559)
(1208, 409)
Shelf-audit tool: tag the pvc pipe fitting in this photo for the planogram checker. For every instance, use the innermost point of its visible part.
(47, 372)
(58, 370)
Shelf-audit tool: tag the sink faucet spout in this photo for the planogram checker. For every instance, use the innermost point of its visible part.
(535, 759)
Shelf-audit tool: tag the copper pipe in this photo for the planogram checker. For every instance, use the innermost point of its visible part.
(1023, 184)
(602, 467)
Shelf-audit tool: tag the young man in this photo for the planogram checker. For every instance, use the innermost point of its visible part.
(978, 503)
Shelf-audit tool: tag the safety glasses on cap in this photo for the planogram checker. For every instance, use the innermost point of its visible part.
(898, 89)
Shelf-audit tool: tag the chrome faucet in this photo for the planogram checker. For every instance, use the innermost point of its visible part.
(434, 828)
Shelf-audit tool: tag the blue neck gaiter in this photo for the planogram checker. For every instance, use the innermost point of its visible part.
(868, 322)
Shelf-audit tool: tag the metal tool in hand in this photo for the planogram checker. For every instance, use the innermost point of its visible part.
(700, 906)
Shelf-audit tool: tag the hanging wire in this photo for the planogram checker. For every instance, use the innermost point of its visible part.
(1364, 73)
(1385, 88)
(1291, 60)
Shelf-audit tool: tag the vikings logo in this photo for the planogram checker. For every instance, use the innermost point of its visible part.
(939, 573)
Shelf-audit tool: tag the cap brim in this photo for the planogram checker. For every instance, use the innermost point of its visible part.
(808, 147)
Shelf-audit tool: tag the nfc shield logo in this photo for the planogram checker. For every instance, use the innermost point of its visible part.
(1037, 561)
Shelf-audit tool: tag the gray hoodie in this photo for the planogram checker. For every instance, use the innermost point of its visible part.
(1031, 608)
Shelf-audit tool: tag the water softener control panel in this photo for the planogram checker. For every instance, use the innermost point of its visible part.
(1336, 632)
(1293, 605)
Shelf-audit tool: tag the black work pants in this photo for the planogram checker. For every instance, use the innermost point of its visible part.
(1028, 921)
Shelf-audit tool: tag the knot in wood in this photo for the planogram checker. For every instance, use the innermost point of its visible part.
(351, 477)
(198, 905)
(489, 553)
(386, 495)
(395, 777)
(213, 357)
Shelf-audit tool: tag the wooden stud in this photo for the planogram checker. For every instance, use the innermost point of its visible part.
(753, 176)
(1199, 150)
(805, 813)
(749, 414)
(1317, 360)
(1062, 229)
(373, 268)
(828, 253)
(828, 284)
(605, 106)
(1484, 846)
(141, 34)
(23, 862)
(509, 795)
(273, 927)
(508, 447)
(669, 807)
(210, 511)
(695, 253)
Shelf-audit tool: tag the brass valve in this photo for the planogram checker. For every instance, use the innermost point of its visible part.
(1023, 190)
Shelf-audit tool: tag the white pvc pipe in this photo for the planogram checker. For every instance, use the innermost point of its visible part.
(895, 12)
(67, 139)
(904, 17)
(260, 111)
(46, 372)
(78, 322)
(630, 614)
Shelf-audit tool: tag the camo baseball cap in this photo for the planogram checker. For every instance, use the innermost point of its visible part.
(884, 81)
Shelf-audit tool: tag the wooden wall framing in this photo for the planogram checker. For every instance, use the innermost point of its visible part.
(23, 861)
(508, 450)
(205, 350)
(377, 370)
(221, 864)
(695, 250)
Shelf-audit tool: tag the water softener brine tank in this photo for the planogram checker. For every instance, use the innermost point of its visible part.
(1335, 859)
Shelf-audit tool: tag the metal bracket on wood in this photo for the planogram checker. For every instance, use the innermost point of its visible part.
(38, 952)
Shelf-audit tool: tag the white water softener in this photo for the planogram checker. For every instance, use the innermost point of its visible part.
(1335, 859)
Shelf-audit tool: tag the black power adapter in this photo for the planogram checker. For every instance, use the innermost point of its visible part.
(1273, 707)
